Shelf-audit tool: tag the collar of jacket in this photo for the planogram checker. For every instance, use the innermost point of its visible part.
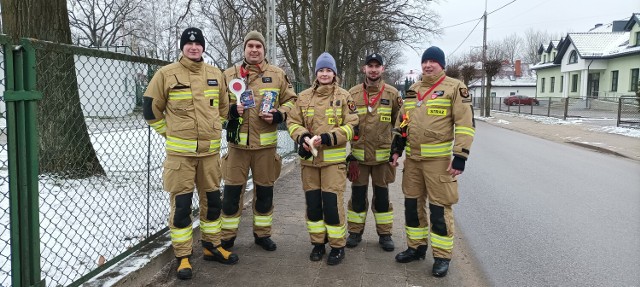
(325, 90)
(255, 68)
(430, 80)
(371, 89)
(193, 66)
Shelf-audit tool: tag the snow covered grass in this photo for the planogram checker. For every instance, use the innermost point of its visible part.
(82, 220)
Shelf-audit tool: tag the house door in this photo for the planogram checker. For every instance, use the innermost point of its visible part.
(593, 85)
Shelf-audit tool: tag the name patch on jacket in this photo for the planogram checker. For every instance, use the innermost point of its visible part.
(212, 82)
(437, 112)
(266, 80)
(384, 101)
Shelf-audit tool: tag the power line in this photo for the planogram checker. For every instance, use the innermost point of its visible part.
(465, 39)
(465, 22)
(505, 5)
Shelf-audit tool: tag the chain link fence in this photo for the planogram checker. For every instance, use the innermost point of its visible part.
(629, 115)
(100, 183)
(563, 108)
(5, 248)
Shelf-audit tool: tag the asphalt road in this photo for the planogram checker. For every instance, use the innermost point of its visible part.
(541, 213)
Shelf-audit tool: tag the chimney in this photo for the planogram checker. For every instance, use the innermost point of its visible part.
(518, 69)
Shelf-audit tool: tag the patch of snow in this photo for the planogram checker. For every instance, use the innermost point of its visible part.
(629, 132)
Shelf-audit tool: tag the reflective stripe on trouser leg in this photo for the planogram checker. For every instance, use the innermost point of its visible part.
(415, 192)
(211, 231)
(262, 210)
(229, 227)
(384, 222)
(357, 207)
(182, 240)
(382, 210)
(231, 210)
(442, 230)
(180, 224)
(336, 232)
(317, 231)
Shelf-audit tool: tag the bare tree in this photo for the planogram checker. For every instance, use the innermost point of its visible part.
(467, 72)
(65, 147)
(100, 23)
(227, 29)
(512, 45)
(492, 67)
(532, 41)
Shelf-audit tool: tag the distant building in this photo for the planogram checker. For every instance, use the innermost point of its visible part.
(512, 80)
(604, 62)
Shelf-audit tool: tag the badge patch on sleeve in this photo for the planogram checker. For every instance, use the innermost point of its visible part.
(266, 80)
(352, 106)
(400, 101)
(464, 92)
(212, 82)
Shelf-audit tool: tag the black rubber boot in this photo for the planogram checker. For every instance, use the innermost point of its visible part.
(265, 242)
(412, 254)
(226, 244)
(317, 252)
(386, 242)
(184, 271)
(335, 256)
(353, 239)
(211, 253)
(440, 267)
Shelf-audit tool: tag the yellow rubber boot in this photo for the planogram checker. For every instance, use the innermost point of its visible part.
(184, 269)
(218, 254)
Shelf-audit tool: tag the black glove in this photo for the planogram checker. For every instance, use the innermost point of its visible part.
(233, 111)
(233, 130)
(303, 153)
(458, 163)
(277, 117)
(398, 144)
(325, 139)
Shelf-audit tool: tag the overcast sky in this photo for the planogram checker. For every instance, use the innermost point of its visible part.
(558, 17)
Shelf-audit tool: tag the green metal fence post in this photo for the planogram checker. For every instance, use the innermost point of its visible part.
(21, 98)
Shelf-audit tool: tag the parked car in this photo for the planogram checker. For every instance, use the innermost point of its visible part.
(520, 100)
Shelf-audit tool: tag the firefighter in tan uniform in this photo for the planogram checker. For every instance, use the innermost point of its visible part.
(324, 117)
(435, 124)
(187, 102)
(252, 135)
(378, 104)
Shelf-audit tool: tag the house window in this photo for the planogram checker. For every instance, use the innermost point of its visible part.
(573, 57)
(544, 58)
(634, 80)
(574, 83)
(614, 81)
(637, 38)
(561, 83)
(554, 56)
(542, 86)
(552, 84)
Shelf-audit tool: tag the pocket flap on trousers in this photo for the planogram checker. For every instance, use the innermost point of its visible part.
(447, 178)
(172, 165)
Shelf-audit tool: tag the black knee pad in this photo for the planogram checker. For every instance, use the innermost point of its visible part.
(330, 208)
(438, 225)
(411, 212)
(182, 213)
(214, 205)
(381, 203)
(359, 198)
(314, 204)
(231, 199)
(264, 198)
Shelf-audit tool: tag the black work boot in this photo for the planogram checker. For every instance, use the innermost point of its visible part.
(386, 243)
(353, 239)
(335, 256)
(412, 254)
(265, 242)
(226, 244)
(211, 253)
(440, 267)
(317, 252)
(184, 271)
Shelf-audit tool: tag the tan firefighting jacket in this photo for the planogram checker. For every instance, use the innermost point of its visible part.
(324, 109)
(372, 144)
(442, 124)
(187, 103)
(256, 133)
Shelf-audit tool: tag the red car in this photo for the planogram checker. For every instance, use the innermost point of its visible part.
(520, 100)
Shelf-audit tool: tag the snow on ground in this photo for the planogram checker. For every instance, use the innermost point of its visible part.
(84, 219)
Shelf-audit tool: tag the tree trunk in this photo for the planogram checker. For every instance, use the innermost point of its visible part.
(65, 146)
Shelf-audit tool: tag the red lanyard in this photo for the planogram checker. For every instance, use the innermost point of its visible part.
(374, 100)
(420, 98)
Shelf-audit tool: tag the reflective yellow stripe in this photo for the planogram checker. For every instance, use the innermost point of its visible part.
(356, 217)
(214, 145)
(268, 138)
(417, 233)
(409, 105)
(441, 242)
(358, 154)
(288, 104)
(316, 226)
(407, 149)
(211, 93)
(436, 150)
(262, 220)
(230, 222)
(384, 110)
(179, 235)
(382, 154)
(348, 130)
(310, 113)
(334, 155)
(222, 120)
(329, 112)
(293, 128)
(243, 138)
(439, 102)
(336, 231)
(466, 131)
(362, 110)
(180, 96)
(181, 145)
(160, 126)
(211, 227)
(383, 217)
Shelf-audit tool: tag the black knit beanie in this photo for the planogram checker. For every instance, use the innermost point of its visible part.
(191, 35)
(434, 53)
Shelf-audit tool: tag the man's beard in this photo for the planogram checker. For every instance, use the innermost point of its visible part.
(373, 79)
